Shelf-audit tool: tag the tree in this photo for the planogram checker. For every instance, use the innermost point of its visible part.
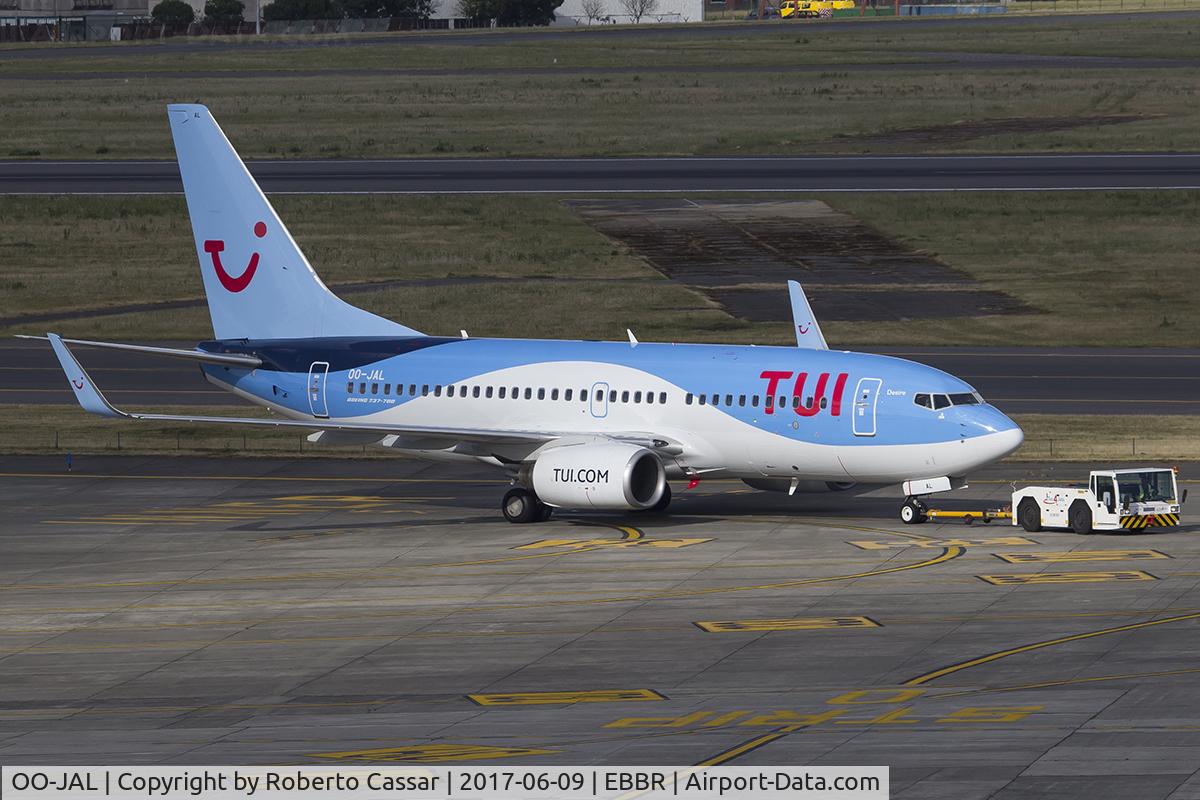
(302, 9)
(173, 13)
(593, 10)
(358, 9)
(639, 8)
(223, 12)
(510, 12)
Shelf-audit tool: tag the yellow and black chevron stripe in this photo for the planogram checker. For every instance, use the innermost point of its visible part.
(1150, 521)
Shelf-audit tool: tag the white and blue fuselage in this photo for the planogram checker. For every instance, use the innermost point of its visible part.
(747, 412)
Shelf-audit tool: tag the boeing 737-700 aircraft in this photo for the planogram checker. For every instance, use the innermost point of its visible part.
(574, 424)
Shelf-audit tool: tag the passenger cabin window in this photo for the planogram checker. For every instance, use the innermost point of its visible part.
(387, 388)
(687, 399)
(488, 392)
(362, 388)
(625, 397)
(637, 397)
(424, 390)
(567, 394)
(754, 401)
(528, 393)
(350, 387)
(701, 399)
(501, 395)
(475, 391)
(374, 388)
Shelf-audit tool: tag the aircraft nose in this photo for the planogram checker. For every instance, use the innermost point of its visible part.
(1004, 442)
(1000, 435)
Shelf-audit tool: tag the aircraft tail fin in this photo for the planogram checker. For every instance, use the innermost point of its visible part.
(258, 283)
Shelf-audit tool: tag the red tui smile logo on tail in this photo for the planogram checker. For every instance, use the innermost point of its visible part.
(214, 247)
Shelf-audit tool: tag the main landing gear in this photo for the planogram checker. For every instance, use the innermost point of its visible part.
(521, 505)
(913, 512)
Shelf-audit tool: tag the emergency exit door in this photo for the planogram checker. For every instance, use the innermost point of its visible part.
(318, 374)
(866, 397)
(599, 400)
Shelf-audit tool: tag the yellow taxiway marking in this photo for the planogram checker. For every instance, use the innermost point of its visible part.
(432, 753)
(564, 698)
(1078, 555)
(1026, 648)
(242, 510)
(1072, 681)
(1067, 577)
(741, 749)
(1000, 541)
(792, 624)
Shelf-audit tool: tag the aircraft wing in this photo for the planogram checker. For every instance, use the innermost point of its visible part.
(91, 399)
(808, 332)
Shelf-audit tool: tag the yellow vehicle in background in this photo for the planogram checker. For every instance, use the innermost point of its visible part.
(801, 9)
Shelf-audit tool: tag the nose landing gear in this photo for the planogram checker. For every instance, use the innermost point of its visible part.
(913, 512)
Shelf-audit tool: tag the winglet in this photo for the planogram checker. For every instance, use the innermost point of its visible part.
(85, 391)
(808, 332)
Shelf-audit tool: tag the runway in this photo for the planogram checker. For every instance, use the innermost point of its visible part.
(190, 611)
(1018, 380)
(623, 175)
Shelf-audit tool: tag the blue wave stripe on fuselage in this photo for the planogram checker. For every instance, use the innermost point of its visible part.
(693, 368)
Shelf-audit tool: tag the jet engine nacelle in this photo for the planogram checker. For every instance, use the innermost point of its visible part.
(804, 487)
(610, 476)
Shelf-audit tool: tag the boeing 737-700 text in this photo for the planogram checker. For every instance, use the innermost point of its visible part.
(574, 424)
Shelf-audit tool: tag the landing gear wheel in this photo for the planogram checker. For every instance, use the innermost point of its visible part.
(1081, 519)
(546, 513)
(521, 505)
(1029, 514)
(912, 512)
(663, 501)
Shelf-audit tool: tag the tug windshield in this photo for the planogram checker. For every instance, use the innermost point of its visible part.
(1152, 486)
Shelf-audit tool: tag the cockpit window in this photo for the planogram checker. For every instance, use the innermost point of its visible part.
(940, 401)
(923, 400)
(964, 399)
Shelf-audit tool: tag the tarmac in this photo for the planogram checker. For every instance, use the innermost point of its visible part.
(745, 174)
(187, 611)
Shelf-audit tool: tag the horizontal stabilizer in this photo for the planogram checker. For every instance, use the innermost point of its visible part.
(170, 352)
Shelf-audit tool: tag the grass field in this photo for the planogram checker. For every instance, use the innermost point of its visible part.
(1099, 268)
(63, 429)
(674, 102)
